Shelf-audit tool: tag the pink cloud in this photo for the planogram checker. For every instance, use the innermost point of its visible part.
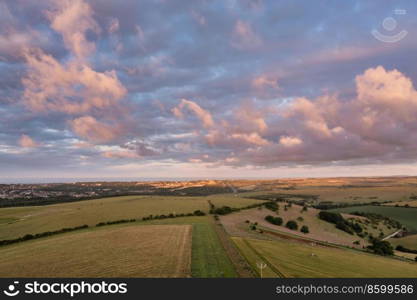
(120, 154)
(93, 130)
(244, 37)
(378, 123)
(26, 141)
(71, 88)
(203, 115)
(72, 19)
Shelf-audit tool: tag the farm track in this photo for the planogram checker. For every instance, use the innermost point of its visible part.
(241, 265)
(391, 235)
(287, 236)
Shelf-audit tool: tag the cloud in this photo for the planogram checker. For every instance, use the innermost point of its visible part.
(71, 88)
(288, 141)
(203, 115)
(120, 154)
(26, 141)
(113, 26)
(244, 37)
(93, 130)
(73, 19)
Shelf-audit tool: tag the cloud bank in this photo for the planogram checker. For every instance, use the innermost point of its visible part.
(99, 85)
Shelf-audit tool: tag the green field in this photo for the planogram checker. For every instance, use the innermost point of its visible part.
(208, 256)
(18, 221)
(115, 251)
(291, 259)
(406, 216)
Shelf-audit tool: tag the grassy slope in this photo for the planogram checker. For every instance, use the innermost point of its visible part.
(409, 241)
(406, 216)
(295, 260)
(319, 229)
(116, 251)
(18, 221)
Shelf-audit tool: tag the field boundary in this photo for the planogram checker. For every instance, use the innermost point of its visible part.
(242, 267)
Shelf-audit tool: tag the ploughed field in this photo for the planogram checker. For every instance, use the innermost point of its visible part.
(118, 251)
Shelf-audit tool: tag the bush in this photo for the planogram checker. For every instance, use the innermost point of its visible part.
(356, 227)
(381, 247)
(345, 227)
(199, 213)
(271, 206)
(292, 225)
(331, 217)
(224, 210)
(274, 220)
(403, 249)
(305, 229)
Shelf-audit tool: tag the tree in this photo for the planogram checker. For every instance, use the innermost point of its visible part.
(381, 247)
(274, 220)
(304, 229)
(292, 225)
(272, 206)
(224, 210)
(199, 213)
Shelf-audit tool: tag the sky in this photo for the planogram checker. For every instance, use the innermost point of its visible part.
(206, 88)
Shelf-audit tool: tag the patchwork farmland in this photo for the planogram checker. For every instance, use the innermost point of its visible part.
(298, 228)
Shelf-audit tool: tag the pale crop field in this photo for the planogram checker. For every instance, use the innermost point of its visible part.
(303, 260)
(339, 194)
(18, 221)
(119, 251)
(409, 242)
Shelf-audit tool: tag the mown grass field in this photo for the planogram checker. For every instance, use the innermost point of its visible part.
(291, 259)
(18, 221)
(116, 251)
(406, 216)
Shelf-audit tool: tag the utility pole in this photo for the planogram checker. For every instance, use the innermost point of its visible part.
(261, 266)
